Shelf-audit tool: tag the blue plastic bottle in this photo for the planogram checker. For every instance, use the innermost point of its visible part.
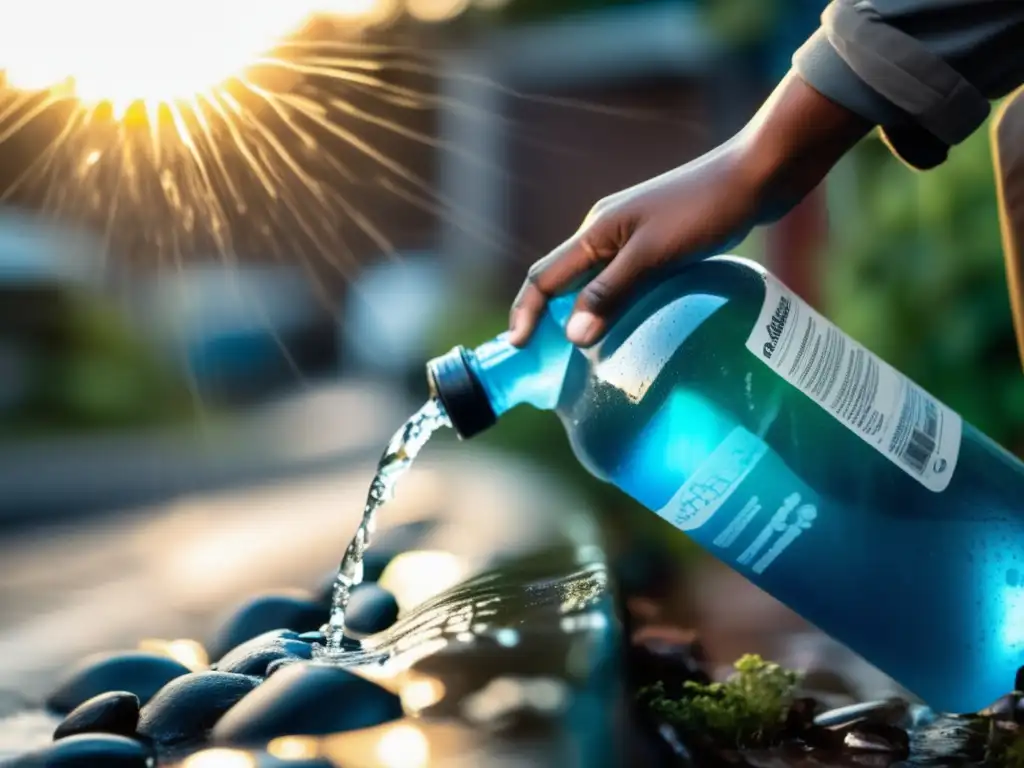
(726, 405)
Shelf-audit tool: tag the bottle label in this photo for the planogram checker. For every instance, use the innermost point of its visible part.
(889, 412)
(748, 504)
(709, 488)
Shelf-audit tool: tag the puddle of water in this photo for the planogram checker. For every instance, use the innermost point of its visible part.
(505, 609)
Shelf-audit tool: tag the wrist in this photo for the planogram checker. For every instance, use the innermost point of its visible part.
(792, 143)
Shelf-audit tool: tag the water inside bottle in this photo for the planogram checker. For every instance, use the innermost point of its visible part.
(395, 462)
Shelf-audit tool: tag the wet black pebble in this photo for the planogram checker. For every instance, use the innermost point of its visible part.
(887, 711)
(306, 699)
(186, 708)
(253, 657)
(278, 665)
(1018, 680)
(877, 737)
(1006, 707)
(116, 712)
(371, 609)
(294, 611)
(93, 750)
(135, 672)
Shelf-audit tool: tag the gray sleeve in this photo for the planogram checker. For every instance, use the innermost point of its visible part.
(924, 70)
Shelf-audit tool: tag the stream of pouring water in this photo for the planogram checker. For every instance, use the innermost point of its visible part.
(396, 460)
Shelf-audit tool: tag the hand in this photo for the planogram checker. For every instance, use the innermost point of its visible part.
(699, 209)
(694, 211)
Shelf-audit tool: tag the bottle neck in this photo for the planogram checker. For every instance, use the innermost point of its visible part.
(478, 386)
(531, 375)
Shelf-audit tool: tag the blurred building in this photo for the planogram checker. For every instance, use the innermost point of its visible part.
(570, 107)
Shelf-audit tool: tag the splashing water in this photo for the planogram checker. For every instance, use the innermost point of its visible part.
(395, 462)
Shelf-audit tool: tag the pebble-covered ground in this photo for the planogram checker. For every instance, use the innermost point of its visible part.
(539, 661)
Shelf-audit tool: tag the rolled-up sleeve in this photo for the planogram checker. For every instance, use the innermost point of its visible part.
(924, 70)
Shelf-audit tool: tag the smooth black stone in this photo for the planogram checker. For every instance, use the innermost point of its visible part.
(306, 699)
(253, 657)
(186, 708)
(92, 750)
(265, 613)
(1018, 680)
(135, 672)
(877, 737)
(1004, 708)
(313, 637)
(371, 609)
(116, 712)
(888, 711)
(279, 664)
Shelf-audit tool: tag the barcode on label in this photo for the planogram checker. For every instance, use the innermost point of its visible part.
(920, 416)
(915, 432)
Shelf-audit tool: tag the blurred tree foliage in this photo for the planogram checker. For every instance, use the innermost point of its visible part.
(736, 22)
(89, 370)
(918, 277)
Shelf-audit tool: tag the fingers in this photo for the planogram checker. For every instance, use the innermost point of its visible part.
(603, 295)
(549, 277)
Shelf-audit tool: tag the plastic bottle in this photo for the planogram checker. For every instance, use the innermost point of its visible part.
(723, 403)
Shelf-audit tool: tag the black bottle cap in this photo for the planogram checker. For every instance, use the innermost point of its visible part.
(461, 393)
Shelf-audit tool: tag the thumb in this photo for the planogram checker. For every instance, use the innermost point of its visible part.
(607, 292)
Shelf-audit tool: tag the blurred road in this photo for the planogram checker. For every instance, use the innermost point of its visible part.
(320, 426)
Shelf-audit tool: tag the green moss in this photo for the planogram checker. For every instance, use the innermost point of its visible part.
(747, 710)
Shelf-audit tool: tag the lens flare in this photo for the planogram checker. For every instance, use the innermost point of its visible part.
(117, 52)
(173, 127)
(110, 51)
(228, 131)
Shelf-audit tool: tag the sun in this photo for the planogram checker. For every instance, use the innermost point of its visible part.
(155, 51)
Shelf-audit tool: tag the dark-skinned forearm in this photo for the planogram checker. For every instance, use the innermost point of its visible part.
(792, 143)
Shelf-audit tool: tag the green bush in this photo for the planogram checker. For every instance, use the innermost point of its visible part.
(918, 277)
(100, 375)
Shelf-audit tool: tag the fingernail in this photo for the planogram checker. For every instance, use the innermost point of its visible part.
(581, 327)
(513, 325)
